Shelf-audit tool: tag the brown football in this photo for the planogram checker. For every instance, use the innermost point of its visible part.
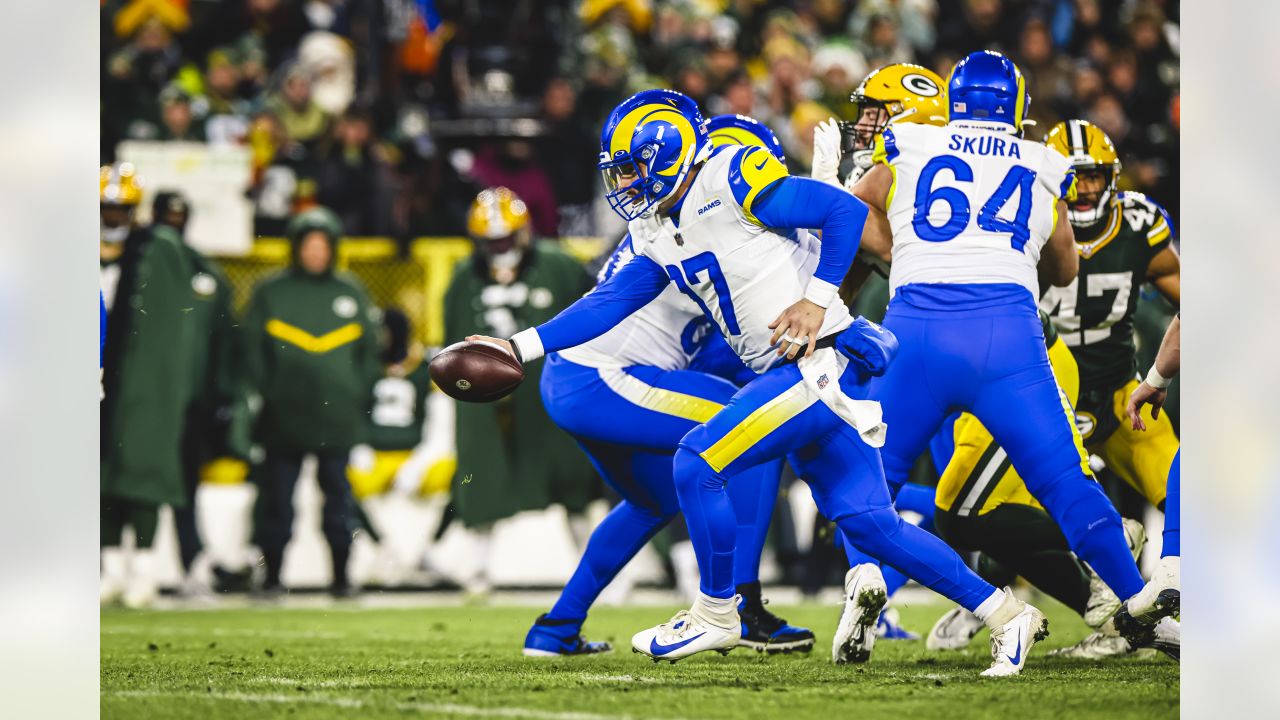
(476, 371)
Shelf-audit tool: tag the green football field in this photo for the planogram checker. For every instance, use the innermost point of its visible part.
(464, 661)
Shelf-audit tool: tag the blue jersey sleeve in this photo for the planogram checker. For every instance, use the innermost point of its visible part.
(630, 288)
(794, 202)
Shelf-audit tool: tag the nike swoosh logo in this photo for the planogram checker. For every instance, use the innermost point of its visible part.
(1014, 658)
(661, 650)
(760, 165)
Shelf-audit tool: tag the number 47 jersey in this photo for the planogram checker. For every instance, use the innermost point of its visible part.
(969, 207)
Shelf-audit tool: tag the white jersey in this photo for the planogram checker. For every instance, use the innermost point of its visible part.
(969, 206)
(665, 334)
(742, 275)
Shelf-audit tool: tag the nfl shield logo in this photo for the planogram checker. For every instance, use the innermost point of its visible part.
(822, 382)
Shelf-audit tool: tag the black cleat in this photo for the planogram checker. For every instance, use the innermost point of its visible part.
(763, 631)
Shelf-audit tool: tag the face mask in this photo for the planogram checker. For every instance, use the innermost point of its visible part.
(114, 234)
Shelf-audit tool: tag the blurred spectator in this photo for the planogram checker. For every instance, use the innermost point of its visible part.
(227, 113)
(304, 121)
(134, 76)
(1047, 74)
(277, 24)
(570, 139)
(213, 352)
(511, 163)
(914, 19)
(310, 348)
(511, 457)
(967, 25)
(408, 436)
(145, 279)
(278, 183)
(839, 68)
(353, 177)
(740, 98)
(797, 138)
(883, 46)
(329, 61)
(178, 122)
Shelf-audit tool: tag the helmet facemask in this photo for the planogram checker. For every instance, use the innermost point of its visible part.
(858, 137)
(1093, 206)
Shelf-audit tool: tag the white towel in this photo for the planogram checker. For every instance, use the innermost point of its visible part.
(822, 372)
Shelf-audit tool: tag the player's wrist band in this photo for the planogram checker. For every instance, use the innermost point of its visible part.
(1156, 380)
(527, 345)
(821, 292)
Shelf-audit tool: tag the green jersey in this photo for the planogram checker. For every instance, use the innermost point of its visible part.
(1094, 314)
(399, 407)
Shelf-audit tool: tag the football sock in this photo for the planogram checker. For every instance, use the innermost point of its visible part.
(753, 494)
(998, 609)
(712, 524)
(613, 543)
(1172, 545)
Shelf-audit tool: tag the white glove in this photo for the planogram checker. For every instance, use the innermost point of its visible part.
(826, 152)
(361, 459)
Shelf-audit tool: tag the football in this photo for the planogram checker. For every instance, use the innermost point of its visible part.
(476, 371)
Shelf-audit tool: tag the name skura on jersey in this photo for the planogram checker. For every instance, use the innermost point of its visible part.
(969, 207)
(1094, 314)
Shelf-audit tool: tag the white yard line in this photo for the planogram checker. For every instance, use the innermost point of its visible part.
(359, 704)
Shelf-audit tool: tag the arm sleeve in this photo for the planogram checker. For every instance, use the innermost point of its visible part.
(794, 202)
(626, 291)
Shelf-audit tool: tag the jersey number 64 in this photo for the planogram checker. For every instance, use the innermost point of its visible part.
(1018, 179)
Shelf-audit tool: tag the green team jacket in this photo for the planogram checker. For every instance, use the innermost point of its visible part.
(213, 349)
(511, 457)
(146, 374)
(310, 354)
(399, 407)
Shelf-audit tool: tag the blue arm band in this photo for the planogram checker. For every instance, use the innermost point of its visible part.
(630, 288)
(795, 202)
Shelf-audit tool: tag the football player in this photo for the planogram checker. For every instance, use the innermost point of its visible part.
(774, 298)
(973, 210)
(1124, 239)
(1165, 585)
(899, 93)
(628, 397)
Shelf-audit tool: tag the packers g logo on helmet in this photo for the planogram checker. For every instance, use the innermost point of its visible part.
(647, 146)
(898, 93)
(1090, 151)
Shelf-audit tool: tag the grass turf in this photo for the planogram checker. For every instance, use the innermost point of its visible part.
(465, 661)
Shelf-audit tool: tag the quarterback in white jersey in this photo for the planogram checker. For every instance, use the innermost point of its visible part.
(628, 397)
(772, 298)
(978, 218)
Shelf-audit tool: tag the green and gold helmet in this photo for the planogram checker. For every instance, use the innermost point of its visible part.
(1090, 151)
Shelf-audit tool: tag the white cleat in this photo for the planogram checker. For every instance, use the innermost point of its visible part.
(1012, 642)
(954, 630)
(1162, 595)
(684, 635)
(1103, 603)
(1099, 645)
(1169, 637)
(142, 587)
(864, 597)
(113, 577)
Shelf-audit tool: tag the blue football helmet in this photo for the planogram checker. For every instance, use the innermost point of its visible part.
(986, 90)
(647, 146)
(743, 130)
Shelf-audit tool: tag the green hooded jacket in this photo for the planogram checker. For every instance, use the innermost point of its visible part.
(310, 344)
(146, 370)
